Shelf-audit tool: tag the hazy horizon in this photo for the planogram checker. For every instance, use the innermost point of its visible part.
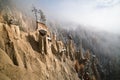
(100, 14)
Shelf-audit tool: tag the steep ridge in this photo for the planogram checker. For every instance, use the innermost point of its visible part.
(39, 56)
(20, 60)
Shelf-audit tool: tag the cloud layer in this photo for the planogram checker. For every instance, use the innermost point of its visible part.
(101, 14)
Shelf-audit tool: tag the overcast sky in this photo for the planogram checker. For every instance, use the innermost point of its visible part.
(101, 14)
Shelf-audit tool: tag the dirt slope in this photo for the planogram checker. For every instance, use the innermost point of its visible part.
(21, 60)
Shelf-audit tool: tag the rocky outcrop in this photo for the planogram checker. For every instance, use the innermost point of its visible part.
(38, 55)
(21, 59)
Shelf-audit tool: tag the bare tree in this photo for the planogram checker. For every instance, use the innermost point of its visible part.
(34, 10)
(39, 16)
(42, 16)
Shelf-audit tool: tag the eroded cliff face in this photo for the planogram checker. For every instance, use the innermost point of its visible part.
(38, 55)
(21, 58)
